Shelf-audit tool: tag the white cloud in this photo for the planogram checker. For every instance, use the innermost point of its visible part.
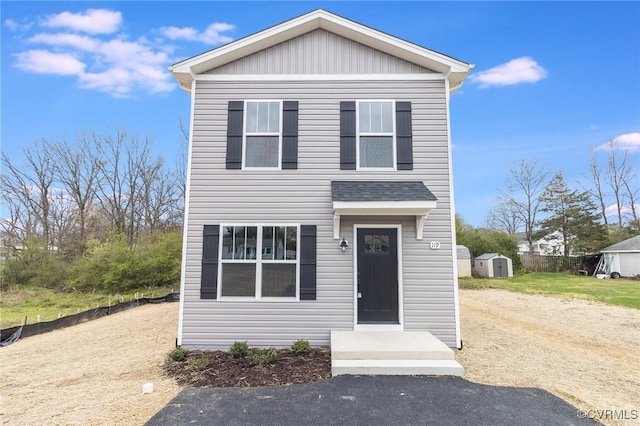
(45, 62)
(93, 21)
(211, 35)
(516, 71)
(627, 142)
(612, 210)
(70, 40)
(86, 45)
(16, 26)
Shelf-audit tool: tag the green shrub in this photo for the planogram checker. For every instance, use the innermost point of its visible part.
(262, 356)
(198, 363)
(300, 347)
(239, 349)
(178, 354)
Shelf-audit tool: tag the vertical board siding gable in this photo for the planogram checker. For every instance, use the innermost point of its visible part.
(234, 134)
(404, 136)
(347, 135)
(308, 262)
(290, 135)
(209, 276)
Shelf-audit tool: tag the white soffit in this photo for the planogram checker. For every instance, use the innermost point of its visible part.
(418, 208)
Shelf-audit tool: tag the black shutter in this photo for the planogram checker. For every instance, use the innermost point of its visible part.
(209, 277)
(404, 137)
(347, 135)
(307, 262)
(234, 134)
(290, 135)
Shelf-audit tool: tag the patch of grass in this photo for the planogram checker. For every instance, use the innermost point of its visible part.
(199, 361)
(620, 292)
(20, 302)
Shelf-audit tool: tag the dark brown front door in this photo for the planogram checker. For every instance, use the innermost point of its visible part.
(377, 276)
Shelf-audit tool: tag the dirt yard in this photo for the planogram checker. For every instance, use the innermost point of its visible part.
(92, 374)
(584, 352)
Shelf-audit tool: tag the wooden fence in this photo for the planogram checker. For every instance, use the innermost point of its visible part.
(540, 263)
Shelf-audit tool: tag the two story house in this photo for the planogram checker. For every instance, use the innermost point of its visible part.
(319, 190)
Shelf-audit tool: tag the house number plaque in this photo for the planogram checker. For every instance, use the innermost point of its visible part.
(435, 245)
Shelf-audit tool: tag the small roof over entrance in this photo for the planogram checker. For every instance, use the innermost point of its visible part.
(381, 198)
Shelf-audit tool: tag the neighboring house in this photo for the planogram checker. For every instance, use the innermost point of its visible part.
(549, 245)
(621, 259)
(319, 191)
(464, 261)
(493, 265)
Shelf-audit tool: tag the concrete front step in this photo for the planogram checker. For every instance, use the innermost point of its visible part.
(396, 367)
(391, 352)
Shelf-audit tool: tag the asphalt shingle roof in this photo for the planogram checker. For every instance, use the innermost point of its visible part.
(632, 244)
(380, 191)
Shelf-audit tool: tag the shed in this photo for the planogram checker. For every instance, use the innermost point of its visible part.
(464, 261)
(622, 259)
(493, 265)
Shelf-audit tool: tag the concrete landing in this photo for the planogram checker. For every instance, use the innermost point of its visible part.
(391, 353)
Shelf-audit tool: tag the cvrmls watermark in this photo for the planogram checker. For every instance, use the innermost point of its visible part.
(609, 414)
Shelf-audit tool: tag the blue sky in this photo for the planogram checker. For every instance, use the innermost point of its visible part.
(551, 80)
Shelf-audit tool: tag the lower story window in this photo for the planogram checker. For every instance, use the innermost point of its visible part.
(259, 261)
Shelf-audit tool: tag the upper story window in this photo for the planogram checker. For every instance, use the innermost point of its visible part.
(263, 134)
(376, 135)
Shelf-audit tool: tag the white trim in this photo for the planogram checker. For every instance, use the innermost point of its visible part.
(452, 208)
(258, 261)
(322, 77)
(278, 134)
(185, 226)
(388, 327)
(417, 208)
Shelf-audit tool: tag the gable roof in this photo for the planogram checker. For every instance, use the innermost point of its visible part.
(488, 256)
(632, 244)
(455, 70)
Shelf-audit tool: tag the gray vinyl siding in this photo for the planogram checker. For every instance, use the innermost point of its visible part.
(319, 52)
(303, 196)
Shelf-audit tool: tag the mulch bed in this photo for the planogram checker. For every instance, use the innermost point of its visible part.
(220, 369)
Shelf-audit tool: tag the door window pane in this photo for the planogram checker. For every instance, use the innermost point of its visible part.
(239, 279)
(278, 280)
(376, 151)
(374, 243)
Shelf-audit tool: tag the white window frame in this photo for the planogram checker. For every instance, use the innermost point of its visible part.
(259, 261)
(392, 134)
(245, 134)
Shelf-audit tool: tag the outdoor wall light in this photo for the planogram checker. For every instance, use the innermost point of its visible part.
(344, 244)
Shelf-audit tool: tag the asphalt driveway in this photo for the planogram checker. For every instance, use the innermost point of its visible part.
(375, 400)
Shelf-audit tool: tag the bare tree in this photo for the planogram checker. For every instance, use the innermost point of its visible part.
(632, 192)
(505, 216)
(27, 189)
(618, 172)
(597, 191)
(77, 168)
(526, 184)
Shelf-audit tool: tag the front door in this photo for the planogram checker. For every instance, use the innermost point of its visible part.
(377, 291)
